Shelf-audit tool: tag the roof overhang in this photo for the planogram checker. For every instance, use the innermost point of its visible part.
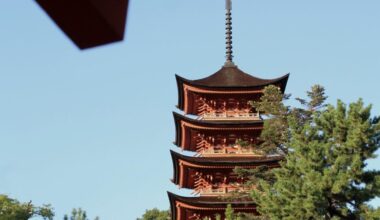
(221, 82)
(178, 203)
(88, 23)
(182, 164)
(183, 123)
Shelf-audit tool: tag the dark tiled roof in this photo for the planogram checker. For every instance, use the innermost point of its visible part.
(209, 201)
(212, 124)
(229, 78)
(227, 161)
(234, 77)
(247, 161)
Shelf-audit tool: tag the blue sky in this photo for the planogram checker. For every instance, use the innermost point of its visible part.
(93, 128)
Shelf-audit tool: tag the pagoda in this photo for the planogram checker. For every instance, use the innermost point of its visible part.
(217, 118)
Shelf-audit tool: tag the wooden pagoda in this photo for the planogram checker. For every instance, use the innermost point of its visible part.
(221, 117)
(217, 117)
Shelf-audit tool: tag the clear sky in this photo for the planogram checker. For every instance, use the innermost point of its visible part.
(93, 128)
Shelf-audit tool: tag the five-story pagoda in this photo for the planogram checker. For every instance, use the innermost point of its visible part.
(222, 118)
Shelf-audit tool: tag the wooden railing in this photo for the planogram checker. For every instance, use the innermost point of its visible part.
(235, 150)
(223, 190)
(229, 115)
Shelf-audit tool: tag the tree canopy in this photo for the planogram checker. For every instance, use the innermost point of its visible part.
(11, 209)
(325, 148)
(78, 214)
(155, 214)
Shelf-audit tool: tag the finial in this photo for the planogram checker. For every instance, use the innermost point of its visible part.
(229, 56)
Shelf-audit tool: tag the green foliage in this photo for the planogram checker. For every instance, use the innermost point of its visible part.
(78, 214)
(11, 209)
(229, 213)
(242, 143)
(370, 213)
(275, 132)
(324, 174)
(317, 98)
(155, 214)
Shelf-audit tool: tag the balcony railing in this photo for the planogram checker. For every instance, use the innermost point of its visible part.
(222, 190)
(234, 150)
(230, 115)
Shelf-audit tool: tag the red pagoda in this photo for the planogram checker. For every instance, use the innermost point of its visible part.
(221, 117)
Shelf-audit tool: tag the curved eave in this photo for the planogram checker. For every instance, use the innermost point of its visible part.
(211, 124)
(173, 208)
(221, 162)
(175, 162)
(180, 80)
(281, 82)
(205, 202)
(226, 161)
(177, 123)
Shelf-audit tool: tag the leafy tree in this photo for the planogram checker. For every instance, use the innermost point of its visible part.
(78, 214)
(325, 148)
(155, 214)
(11, 209)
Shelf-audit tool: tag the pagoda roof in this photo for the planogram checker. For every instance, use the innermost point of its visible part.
(226, 161)
(205, 203)
(219, 163)
(227, 79)
(233, 77)
(209, 201)
(209, 124)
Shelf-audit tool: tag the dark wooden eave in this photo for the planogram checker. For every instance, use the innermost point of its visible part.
(88, 23)
(228, 79)
(206, 202)
(211, 124)
(244, 161)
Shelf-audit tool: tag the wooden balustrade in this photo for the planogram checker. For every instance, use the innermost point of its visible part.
(229, 150)
(220, 190)
(229, 115)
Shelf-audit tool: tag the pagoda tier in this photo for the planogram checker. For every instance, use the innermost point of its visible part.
(214, 176)
(198, 208)
(213, 137)
(223, 94)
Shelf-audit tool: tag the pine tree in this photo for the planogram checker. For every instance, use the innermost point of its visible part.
(323, 174)
(275, 133)
(78, 214)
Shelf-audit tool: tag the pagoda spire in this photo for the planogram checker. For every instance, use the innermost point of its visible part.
(229, 62)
